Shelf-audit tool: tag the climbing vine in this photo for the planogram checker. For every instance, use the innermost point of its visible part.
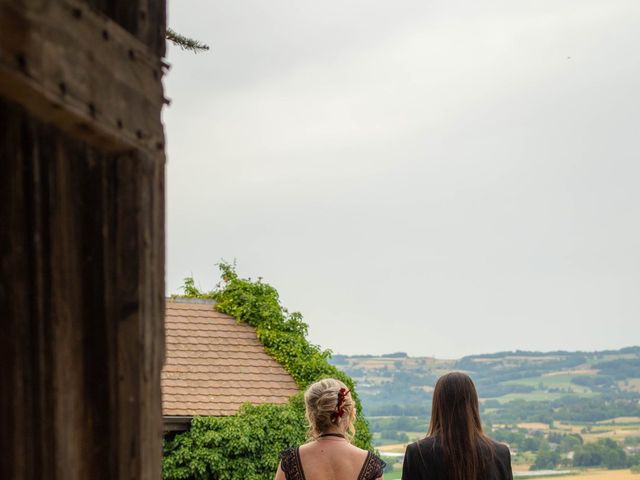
(247, 445)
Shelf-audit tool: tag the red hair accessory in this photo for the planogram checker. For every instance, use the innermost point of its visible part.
(339, 411)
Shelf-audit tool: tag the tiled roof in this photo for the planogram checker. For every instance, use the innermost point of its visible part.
(215, 364)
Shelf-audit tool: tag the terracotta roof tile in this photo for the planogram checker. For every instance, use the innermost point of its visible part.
(215, 364)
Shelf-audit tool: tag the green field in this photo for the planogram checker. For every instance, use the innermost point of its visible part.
(553, 380)
(617, 429)
(528, 400)
(535, 396)
(595, 474)
(397, 384)
(393, 475)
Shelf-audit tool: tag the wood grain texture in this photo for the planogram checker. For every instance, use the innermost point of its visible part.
(142, 19)
(81, 241)
(74, 67)
(81, 302)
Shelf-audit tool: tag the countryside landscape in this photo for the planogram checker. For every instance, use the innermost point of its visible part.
(573, 414)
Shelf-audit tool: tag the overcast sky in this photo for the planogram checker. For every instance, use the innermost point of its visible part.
(438, 177)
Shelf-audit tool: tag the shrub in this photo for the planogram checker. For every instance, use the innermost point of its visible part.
(242, 446)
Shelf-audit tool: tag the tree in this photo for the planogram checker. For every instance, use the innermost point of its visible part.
(546, 459)
(603, 453)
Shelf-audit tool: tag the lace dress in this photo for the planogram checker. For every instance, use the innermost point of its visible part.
(372, 467)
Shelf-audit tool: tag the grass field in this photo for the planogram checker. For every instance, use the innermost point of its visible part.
(535, 396)
(393, 447)
(617, 429)
(620, 421)
(617, 434)
(553, 380)
(534, 426)
(394, 475)
(631, 385)
(586, 475)
(601, 475)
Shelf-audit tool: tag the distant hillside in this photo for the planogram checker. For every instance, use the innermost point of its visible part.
(513, 386)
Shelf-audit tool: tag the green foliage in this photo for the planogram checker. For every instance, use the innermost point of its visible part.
(545, 459)
(520, 438)
(393, 436)
(605, 452)
(633, 460)
(503, 377)
(569, 443)
(242, 446)
(632, 440)
(399, 424)
(185, 43)
(247, 445)
(566, 409)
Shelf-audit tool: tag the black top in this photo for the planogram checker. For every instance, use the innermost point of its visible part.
(372, 467)
(424, 460)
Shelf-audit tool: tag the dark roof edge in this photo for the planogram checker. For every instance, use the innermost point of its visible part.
(176, 423)
(204, 301)
(177, 418)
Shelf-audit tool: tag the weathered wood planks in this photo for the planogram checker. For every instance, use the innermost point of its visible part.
(81, 239)
(81, 303)
(74, 67)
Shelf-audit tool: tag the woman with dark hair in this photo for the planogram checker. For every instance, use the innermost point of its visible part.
(455, 447)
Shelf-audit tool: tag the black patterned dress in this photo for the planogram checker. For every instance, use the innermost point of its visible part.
(372, 467)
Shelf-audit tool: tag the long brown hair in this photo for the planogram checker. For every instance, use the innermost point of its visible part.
(455, 424)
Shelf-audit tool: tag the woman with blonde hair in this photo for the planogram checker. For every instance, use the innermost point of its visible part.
(329, 454)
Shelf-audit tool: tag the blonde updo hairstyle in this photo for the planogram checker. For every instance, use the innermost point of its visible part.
(321, 405)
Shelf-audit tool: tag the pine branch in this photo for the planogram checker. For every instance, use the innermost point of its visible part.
(186, 43)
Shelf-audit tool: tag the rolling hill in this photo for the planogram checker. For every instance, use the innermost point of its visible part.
(516, 386)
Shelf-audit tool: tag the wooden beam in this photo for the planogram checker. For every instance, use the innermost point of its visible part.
(81, 306)
(68, 65)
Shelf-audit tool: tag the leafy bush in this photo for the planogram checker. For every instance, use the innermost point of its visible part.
(246, 445)
(242, 446)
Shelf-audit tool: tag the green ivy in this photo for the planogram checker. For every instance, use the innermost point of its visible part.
(247, 445)
(242, 446)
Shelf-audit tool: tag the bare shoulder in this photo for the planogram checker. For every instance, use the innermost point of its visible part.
(358, 454)
(343, 448)
(359, 450)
